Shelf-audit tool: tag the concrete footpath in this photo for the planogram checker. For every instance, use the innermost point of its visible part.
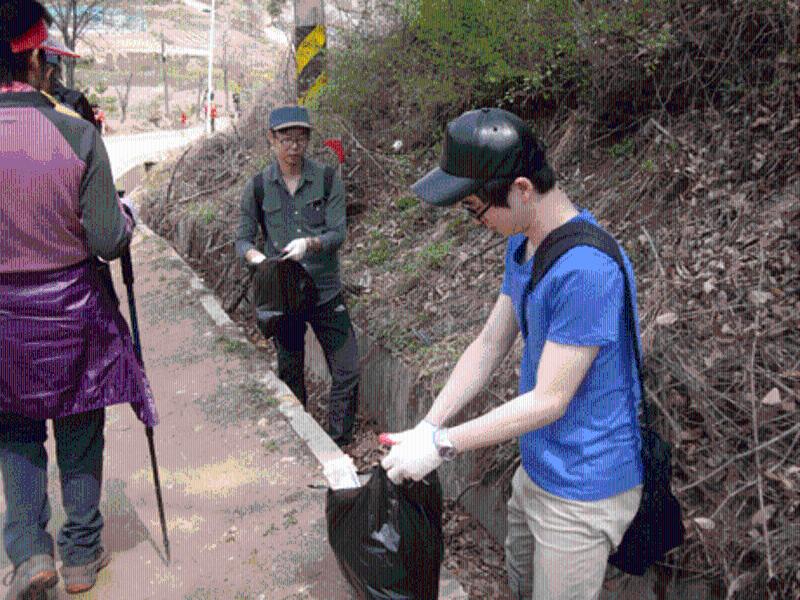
(236, 452)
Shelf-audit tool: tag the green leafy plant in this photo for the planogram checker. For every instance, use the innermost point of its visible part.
(206, 213)
(623, 148)
(379, 252)
(435, 253)
(233, 346)
(406, 202)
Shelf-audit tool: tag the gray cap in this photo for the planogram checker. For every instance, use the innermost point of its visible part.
(54, 50)
(289, 116)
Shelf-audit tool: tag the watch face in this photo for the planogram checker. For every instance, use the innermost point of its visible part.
(447, 452)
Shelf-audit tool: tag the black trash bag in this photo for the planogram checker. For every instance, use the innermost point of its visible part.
(281, 287)
(388, 538)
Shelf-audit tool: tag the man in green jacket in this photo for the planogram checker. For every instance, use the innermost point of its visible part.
(304, 220)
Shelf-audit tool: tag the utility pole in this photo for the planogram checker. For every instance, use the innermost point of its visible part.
(210, 69)
(164, 73)
(309, 41)
(225, 65)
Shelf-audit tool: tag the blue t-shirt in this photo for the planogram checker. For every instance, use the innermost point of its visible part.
(593, 451)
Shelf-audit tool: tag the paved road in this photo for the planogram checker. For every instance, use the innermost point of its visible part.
(128, 151)
(201, 6)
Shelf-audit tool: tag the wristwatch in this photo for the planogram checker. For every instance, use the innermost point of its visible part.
(443, 444)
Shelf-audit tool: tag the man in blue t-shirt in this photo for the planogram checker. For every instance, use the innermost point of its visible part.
(580, 481)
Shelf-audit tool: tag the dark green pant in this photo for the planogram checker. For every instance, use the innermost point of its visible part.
(334, 330)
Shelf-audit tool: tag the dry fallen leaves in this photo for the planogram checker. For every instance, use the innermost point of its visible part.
(705, 523)
(667, 319)
(773, 398)
(763, 515)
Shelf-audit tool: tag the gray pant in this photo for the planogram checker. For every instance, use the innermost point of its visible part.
(558, 549)
(334, 330)
(23, 458)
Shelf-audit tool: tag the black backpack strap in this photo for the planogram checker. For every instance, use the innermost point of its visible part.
(554, 246)
(258, 198)
(327, 182)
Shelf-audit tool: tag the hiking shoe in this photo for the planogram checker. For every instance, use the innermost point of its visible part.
(80, 578)
(342, 441)
(32, 579)
(339, 438)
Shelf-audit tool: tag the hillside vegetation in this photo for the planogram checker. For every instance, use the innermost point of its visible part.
(676, 123)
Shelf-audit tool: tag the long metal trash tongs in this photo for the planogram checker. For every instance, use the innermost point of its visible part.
(127, 277)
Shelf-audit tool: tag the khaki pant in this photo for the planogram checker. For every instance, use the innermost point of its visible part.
(557, 549)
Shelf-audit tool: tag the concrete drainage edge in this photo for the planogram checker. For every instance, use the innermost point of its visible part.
(333, 460)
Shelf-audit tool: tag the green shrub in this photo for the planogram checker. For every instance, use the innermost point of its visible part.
(453, 55)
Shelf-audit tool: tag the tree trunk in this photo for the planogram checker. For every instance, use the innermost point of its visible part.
(225, 79)
(124, 96)
(164, 73)
(199, 94)
(71, 41)
(70, 72)
(73, 24)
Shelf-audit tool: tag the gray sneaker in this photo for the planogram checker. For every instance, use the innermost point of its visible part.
(80, 578)
(32, 579)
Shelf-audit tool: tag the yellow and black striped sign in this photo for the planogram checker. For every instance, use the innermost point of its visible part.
(310, 43)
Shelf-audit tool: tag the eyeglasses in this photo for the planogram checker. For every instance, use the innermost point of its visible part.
(288, 142)
(474, 213)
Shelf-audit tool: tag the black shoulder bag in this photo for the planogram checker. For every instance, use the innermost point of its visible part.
(657, 527)
(281, 287)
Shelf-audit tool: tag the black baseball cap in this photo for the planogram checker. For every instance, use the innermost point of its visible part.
(480, 146)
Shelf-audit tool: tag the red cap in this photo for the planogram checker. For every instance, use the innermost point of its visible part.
(37, 37)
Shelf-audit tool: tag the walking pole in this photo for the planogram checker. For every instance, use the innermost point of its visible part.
(127, 277)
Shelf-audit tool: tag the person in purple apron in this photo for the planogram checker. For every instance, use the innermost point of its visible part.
(65, 349)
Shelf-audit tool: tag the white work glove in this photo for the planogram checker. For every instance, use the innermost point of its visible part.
(254, 257)
(296, 249)
(129, 208)
(392, 439)
(414, 456)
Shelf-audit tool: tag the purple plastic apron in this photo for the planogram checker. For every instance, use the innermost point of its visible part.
(65, 348)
